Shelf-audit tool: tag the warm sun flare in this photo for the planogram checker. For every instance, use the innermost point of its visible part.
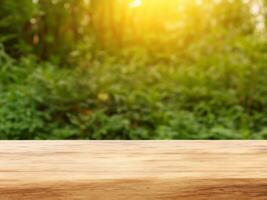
(135, 20)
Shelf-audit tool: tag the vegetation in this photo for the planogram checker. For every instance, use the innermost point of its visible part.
(121, 69)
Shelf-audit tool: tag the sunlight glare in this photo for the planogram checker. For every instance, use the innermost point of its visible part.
(135, 3)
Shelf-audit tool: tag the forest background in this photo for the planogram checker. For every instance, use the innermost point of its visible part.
(133, 69)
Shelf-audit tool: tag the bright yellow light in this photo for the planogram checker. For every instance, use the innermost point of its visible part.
(135, 3)
(141, 20)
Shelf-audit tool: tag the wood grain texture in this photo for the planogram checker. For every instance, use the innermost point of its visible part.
(134, 170)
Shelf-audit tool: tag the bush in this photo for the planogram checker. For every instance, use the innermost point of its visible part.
(94, 73)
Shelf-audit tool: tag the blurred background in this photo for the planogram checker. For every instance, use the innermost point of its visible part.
(133, 69)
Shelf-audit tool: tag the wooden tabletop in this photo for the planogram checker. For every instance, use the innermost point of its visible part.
(116, 170)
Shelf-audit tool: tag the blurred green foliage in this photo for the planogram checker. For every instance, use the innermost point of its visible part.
(65, 73)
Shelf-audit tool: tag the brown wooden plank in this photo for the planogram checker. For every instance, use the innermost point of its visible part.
(116, 170)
